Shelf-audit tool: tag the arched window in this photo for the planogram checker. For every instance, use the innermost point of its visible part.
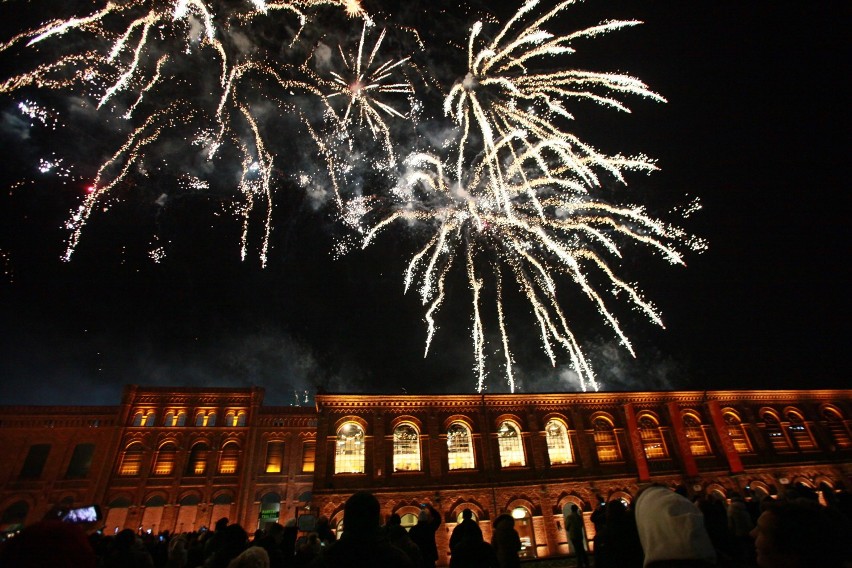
(837, 428)
(231, 418)
(459, 447)
(230, 458)
(558, 443)
(174, 418)
(511, 445)
(274, 457)
(165, 463)
(406, 448)
(205, 418)
(211, 418)
(349, 451)
(652, 438)
(606, 443)
(138, 419)
(200, 419)
(737, 433)
(775, 433)
(696, 437)
(241, 418)
(799, 431)
(169, 420)
(131, 460)
(197, 463)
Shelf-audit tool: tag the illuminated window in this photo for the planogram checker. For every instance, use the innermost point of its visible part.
(131, 460)
(309, 456)
(165, 460)
(837, 428)
(205, 418)
(274, 457)
(652, 438)
(138, 419)
(459, 447)
(235, 418)
(197, 463)
(174, 418)
(510, 444)
(606, 443)
(696, 437)
(799, 431)
(558, 443)
(406, 448)
(349, 450)
(737, 433)
(229, 459)
(775, 433)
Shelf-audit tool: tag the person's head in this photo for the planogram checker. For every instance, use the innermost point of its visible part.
(423, 516)
(574, 509)
(361, 514)
(394, 520)
(800, 534)
(671, 527)
(221, 524)
(254, 557)
(49, 543)
(275, 531)
(467, 514)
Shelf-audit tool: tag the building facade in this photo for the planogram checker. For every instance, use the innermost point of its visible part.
(179, 459)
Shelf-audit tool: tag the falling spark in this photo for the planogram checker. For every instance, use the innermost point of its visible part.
(502, 188)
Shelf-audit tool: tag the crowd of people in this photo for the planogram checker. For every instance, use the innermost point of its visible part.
(662, 528)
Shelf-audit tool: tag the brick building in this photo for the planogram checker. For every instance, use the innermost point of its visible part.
(178, 459)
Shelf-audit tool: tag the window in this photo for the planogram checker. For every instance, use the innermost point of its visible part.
(652, 438)
(799, 431)
(696, 437)
(775, 433)
(406, 448)
(235, 418)
(558, 444)
(197, 463)
(606, 443)
(138, 419)
(35, 460)
(131, 460)
(349, 450)
(837, 428)
(737, 433)
(274, 457)
(174, 418)
(459, 447)
(205, 418)
(511, 445)
(309, 456)
(81, 461)
(230, 458)
(165, 463)
(144, 418)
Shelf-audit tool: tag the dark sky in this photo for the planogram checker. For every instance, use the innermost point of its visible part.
(756, 126)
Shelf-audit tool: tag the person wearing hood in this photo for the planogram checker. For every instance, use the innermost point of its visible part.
(671, 530)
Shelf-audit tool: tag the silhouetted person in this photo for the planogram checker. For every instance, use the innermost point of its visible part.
(231, 542)
(324, 532)
(740, 526)
(399, 537)
(576, 531)
(423, 534)
(506, 542)
(364, 543)
(467, 529)
(271, 543)
(49, 544)
(470, 550)
(802, 534)
(671, 530)
(253, 557)
(617, 544)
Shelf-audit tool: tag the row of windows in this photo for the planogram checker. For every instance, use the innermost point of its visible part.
(177, 417)
(796, 435)
(165, 459)
(78, 467)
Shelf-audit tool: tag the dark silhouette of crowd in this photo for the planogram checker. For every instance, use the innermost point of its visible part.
(661, 528)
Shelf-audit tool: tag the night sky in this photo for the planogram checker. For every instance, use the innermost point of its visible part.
(756, 126)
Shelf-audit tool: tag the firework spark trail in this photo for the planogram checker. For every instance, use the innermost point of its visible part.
(514, 196)
(362, 84)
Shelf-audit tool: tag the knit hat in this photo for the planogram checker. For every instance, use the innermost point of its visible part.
(671, 528)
